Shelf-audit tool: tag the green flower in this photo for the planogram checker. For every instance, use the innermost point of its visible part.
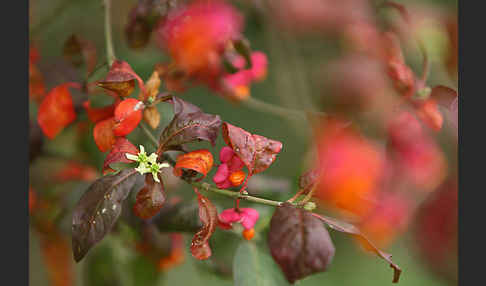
(147, 164)
(156, 168)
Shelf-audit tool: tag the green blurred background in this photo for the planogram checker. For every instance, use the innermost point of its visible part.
(285, 83)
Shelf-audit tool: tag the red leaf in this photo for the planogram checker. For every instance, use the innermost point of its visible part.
(118, 152)
(200, 161)
(75, 171)
(34, 55)
(37, 88)
(209, 217)
(402, 76)
(56, 252)
(103, 134)
(32, 199)
(150, 199)
(120, 79)
(257, 152)
(428, 112)
(56, 110)
(98, 114)
(127, 116)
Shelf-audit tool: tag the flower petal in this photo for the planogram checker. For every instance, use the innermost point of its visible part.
(229, 216)
(222, 174)
(249, 217)
(226, 154)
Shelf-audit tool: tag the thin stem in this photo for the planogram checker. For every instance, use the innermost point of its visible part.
(110, 53)
(149, 134)
(425, 62)
(234, 194)
(308, 196)
(276, 110)
(297, 195)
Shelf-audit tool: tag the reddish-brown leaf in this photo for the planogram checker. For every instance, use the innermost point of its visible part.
(257, 152)
(118, 153)
(454, 115)
(77, 49)
(121, 79)
(32, 199)
(150, 199)
(103, 134)
(152, 116)
(37, 87)
(174, 79)
(351, 229)
(152, 85)
(428, 112)
(209, 217)
(56, 110)
(401, 75)
(444, 95)
(141, 19)
(308, 179)
(188, 125)
(56, 252)
(98, 114)
(74, 171)
(200, 161)
(448, 99)
(299, 242)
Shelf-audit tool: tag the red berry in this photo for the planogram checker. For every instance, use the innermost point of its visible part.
(236, 178)
(248, 234)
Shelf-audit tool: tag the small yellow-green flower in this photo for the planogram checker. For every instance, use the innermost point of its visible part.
(147, 164)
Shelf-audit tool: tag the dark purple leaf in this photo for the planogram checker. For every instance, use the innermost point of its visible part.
(178, 217)
(150, 199)
(98, 210)
(189, 124)
(345, 227)
(257, 152)
(299, 242)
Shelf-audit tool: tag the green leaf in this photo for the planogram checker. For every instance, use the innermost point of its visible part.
(253, 266)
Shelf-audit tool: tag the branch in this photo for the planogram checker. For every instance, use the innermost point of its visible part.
(235, 194)
(110, 53)
(286, 113)
(149, 134)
